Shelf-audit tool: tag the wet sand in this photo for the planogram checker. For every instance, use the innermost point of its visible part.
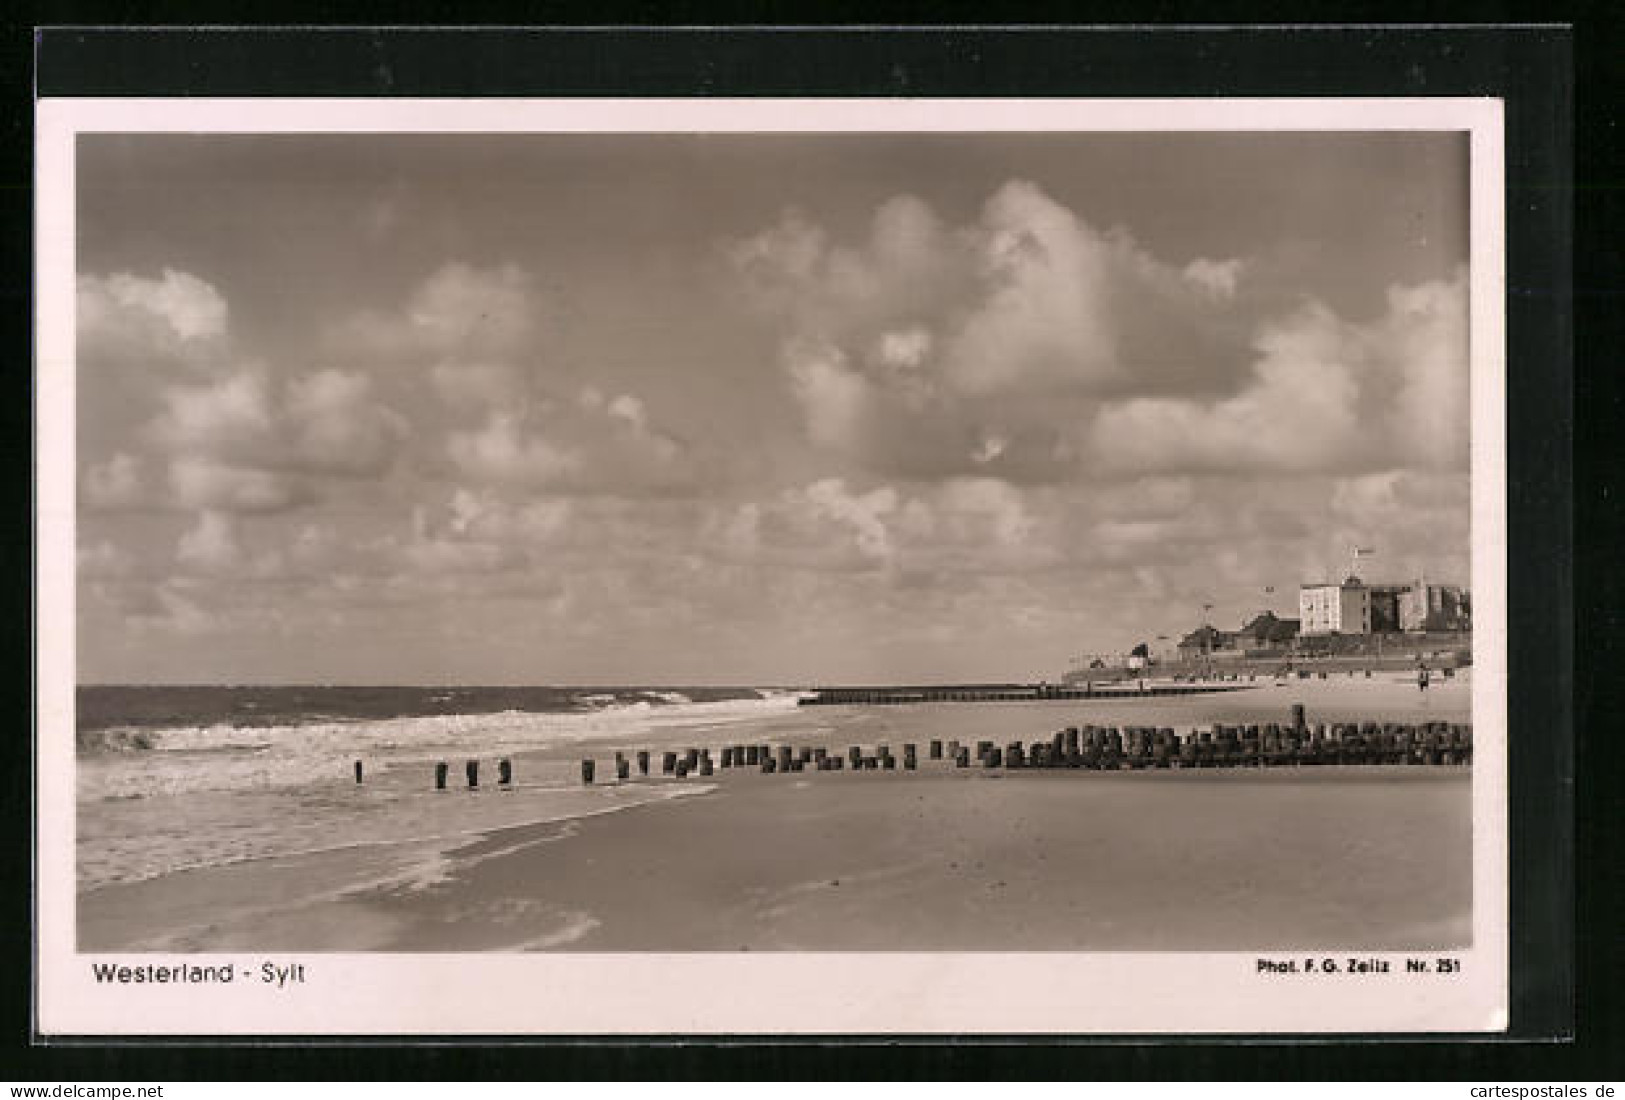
(1351, 857)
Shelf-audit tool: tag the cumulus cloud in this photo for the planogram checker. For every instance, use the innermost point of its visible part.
(221, 438)
(1298, 412)
(1217, 277)
(602, 445)
(1424, 339)
(175, 318)
(480, 334)
(629, 410)
(834, 398)
(863, 513)
(1325, 395)
(337, 425)
(909, 265)
(237, 436)
(1043, 318)
(505, 451)
(821, 526)
(460, 313)
(229, 417)
(244, 442)
(930, 350)
(1039, 348)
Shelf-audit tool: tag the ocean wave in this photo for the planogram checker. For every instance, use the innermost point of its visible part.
(116, 739)
(120, 763)
(671, 698)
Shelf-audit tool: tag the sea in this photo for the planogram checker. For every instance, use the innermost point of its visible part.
(179, 778)
(175, 778)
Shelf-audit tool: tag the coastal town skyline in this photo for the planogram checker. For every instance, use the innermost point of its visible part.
(752, 408)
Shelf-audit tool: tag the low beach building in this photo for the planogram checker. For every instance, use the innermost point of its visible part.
(1268, 631)
(1205, 641)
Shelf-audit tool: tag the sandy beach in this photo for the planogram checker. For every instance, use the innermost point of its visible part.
(994, 862)
(939, 859)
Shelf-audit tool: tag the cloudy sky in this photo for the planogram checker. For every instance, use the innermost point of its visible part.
(750, 408)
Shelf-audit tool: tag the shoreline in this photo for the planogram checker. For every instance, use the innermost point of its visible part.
(1348, 857)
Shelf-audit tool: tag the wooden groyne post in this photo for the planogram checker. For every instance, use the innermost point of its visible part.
(358, 772)
(472, 770)
(441, 770)
(504, 772)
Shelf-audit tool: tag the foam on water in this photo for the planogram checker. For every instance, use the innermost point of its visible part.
(156, 801)
(124, 763)
(118, 846)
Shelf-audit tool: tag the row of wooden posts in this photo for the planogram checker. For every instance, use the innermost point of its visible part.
(1110, 748)
(471, 771)
(1097, 748)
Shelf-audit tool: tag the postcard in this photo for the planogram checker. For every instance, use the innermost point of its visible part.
(764, 567)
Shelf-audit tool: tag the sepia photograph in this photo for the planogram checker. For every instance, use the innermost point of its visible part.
(674, 537)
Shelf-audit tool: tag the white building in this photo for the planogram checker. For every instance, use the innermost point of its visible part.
(1334, 608)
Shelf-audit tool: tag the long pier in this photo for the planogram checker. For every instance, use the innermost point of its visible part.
(1003, 693)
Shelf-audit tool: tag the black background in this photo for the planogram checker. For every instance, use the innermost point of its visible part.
(1566, 929)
